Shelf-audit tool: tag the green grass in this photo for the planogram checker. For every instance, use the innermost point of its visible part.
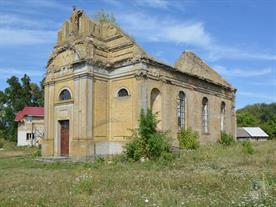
(213, 175)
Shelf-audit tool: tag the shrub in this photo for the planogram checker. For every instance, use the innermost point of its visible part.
(146, 141)
(1, 143)
(248, 147)
(188, 138)
(36, 153)
(226, 139)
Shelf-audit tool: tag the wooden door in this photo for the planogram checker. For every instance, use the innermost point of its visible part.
(64, 138)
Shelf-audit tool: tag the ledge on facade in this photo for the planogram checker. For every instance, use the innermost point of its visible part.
(70, 101)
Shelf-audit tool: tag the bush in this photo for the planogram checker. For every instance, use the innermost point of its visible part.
(248, 147)
(1, 143)
(188, 139)
(146, 141)
(226, 139)
(36, 153)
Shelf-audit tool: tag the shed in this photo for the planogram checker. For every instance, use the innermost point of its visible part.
(251, 133)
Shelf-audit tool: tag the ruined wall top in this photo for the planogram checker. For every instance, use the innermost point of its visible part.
(83, 39)
(190, 63)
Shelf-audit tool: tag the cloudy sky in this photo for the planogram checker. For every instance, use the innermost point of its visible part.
(235, 37)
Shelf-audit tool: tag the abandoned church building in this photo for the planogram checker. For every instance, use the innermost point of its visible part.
(98, 80)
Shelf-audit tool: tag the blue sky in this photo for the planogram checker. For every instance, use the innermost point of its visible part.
(235, 37)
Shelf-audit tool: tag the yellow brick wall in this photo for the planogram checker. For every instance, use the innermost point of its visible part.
(121, 108)
(100, 115)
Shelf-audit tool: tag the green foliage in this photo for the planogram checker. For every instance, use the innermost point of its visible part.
(246, 119)
(18, 94)
(105, 17)
(226, 139)
(36, 153)
(1, 143)
(85, 185)
(134, 149)
(248, 147)
(188, 139)
(262, 115)
(99, 160)
(146, 141)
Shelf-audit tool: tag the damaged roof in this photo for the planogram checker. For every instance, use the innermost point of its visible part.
(82, 38)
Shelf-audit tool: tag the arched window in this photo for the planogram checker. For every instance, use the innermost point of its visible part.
(205, 115)
(64, 95)
(156, 107)
(181, 110)
(122, 92)
(222, 115)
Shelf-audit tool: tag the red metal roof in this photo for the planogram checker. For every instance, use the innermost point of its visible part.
(29, 111)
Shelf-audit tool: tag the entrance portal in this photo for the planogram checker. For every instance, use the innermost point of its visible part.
(64, 138)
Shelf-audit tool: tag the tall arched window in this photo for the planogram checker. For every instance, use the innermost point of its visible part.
(222, 115)
(64, 95)
(205, 115)
(155, 103)
(181, 110)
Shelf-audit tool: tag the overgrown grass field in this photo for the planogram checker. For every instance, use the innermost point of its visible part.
(213, 175)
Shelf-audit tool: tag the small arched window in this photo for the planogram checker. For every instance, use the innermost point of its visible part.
(222, 115)
(64, 95)
(123, 92)
(205, 115)
(181, 110)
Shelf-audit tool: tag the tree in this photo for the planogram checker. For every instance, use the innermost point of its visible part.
(262, 115)
(246, 119)
(14, 98)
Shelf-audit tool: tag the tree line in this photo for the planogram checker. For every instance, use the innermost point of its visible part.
(19, 93)
(261, 115)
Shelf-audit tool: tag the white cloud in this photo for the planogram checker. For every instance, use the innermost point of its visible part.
(15, 21)
(113, 2)
(11, 37)
(162, 4)
(265, 83)
(217, 51)
(152, 29)
(165, 29)
(21, 30)
(28, 5)
(257, 95)
(8, 72)
(247, 72)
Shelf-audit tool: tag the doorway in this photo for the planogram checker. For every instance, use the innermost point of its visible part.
(64, 138)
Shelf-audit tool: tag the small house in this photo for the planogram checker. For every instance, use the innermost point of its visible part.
(251, 133)
(30, 126)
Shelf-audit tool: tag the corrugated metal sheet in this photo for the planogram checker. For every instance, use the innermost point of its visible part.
(255, 131)
(241, 133)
